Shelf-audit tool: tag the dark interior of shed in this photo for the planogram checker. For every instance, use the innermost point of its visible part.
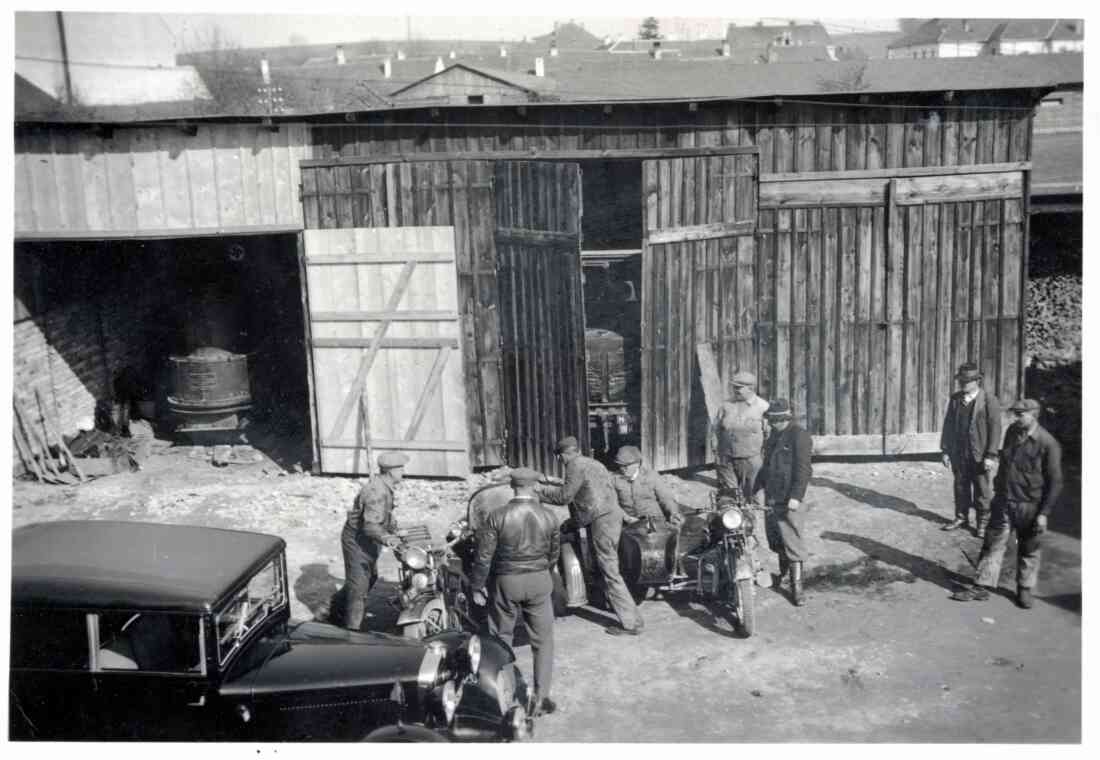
(157, 299)
(611, 227)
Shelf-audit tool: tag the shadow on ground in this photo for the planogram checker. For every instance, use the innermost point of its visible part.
(879, 500)
(867, 572)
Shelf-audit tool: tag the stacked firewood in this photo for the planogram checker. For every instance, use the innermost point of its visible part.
(1053, 320)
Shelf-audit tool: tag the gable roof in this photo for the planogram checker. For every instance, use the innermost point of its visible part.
(520, 81)
(939, 30)
(570, 35)
(760, 35)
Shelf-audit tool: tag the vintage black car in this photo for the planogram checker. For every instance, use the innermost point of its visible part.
(146, 631)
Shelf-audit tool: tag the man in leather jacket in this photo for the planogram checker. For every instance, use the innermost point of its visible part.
(369, 526)
(784, 477)
(587, 488)
(642, 493)
(519, 544)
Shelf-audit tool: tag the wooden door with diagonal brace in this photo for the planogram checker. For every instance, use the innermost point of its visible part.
(386, 345)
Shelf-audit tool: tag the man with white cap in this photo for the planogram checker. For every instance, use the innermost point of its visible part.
(738, 435)
(369, 526)
(1026, 488)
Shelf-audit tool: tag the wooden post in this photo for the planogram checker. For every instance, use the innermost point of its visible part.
(307, 340)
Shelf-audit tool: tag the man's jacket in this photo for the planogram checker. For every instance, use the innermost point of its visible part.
(982, 438)
(1031, 469)
(588, 486)
(786, 471)
(371, 516)
(646, 496)
(521, 537)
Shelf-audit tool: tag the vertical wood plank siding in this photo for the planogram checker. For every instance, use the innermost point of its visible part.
(157, 180)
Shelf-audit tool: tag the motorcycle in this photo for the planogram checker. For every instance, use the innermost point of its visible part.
(422, 598)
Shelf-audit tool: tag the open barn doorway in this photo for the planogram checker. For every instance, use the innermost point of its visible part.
(611, 257)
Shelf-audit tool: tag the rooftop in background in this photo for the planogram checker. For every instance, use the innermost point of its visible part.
(983, 29)
(594, 77)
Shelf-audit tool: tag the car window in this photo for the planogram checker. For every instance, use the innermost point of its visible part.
(250, 606)
(150, 641)
(49, 639)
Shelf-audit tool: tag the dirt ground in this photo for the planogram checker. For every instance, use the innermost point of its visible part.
(879, 654)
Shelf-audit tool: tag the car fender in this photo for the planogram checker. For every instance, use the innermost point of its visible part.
(572, 575)
(742, 565)
(402, 733)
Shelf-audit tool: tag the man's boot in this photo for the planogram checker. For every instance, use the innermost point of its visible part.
(982, 521)
(1023, 598)
(783, 567)
(796, 584)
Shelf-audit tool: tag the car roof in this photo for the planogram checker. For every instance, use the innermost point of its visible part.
(133, 565)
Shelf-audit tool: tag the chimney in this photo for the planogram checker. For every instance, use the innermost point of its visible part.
(265, 71)
(540, 67)
(726, 50)
(451, 55)
(790, 23)
(503, 52)
(400, 54)
(340, 59)
(554, 49)
(387, 68)
(439, 65)
(655, 51)
(966, 25)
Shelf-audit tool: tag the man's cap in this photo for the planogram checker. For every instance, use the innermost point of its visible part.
(1024, 405)
(391, 459)
(968, 371)
(524, 476)
(628, 455)
(568, 442)
(779, 408)
(746, 379)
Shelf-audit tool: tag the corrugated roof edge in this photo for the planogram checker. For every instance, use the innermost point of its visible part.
(776, 80)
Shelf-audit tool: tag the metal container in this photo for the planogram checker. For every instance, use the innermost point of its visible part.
(208, 389)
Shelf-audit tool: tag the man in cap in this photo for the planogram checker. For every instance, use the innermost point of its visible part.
(969, 442)
(519, 544)
(369, 526)
(587, 489)
(738, 435)
(642, 493)
(1026, 488)
(784, 478)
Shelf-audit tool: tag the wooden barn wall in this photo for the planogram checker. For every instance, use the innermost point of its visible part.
(449, 193)
(892, 131)
(157, 180)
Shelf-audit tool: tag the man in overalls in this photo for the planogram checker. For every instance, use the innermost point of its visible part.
(369, 527)
(738, 436)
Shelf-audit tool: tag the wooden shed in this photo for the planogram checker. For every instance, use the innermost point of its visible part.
(850, 234)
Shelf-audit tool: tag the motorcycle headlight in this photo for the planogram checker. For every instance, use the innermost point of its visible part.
(415, 558)
(473, 652)
(731, 519)
(449, 698)
(419, 581)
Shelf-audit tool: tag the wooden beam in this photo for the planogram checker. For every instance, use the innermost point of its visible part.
(384, 343)
(532, 155)
(379, 444)
(157, 233)
(701, 232)
(917, 171)
(544, 238)
(307, 331)
(713, 388)
(375, 316)
(429, 390)
(380, 257)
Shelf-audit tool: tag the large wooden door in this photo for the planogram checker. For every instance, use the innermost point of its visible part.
(698, 286)
(387, 349)
(541, 304)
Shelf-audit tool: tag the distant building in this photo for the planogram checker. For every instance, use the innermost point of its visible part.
(956, 38)
(786, 43)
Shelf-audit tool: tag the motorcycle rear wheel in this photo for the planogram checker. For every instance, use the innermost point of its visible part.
(746, 612)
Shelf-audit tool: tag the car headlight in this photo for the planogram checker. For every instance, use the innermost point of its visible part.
(732, 519)
(415, 558)
(473, 652)
(449, 698)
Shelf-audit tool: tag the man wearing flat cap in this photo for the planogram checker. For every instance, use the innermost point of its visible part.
(1026, 489)
(517, 546)
(784, 477)
(642, 493)
(370, 525)
(738, 435)
(587, 489)
(970, 439)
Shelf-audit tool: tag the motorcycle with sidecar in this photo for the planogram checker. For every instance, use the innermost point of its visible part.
(711, 555)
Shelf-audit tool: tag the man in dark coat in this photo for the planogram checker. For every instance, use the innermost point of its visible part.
(642, 493)
(369, 526)
(587, 489)
(969, 442)
(519, 544)
(1027, 486)
(784, 477)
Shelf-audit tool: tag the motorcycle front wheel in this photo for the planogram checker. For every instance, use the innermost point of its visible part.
(743, 606)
